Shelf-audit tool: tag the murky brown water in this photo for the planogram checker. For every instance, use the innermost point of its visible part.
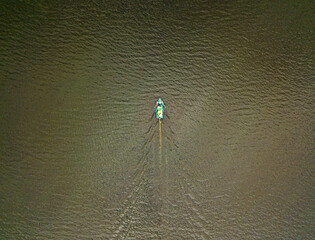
(82, 157)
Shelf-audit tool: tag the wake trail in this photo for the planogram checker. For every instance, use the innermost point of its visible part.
(160, 134)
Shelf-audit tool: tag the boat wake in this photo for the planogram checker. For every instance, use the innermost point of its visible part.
(160, 134)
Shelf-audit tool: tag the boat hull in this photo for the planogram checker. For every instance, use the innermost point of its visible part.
(159, 109)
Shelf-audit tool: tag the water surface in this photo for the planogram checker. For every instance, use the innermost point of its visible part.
(82, 156)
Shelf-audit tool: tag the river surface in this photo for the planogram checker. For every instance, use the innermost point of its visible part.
(82, 156)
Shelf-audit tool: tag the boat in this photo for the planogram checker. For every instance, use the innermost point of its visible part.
(159, 109)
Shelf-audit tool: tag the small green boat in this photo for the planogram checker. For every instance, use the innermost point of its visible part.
(159, 109)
